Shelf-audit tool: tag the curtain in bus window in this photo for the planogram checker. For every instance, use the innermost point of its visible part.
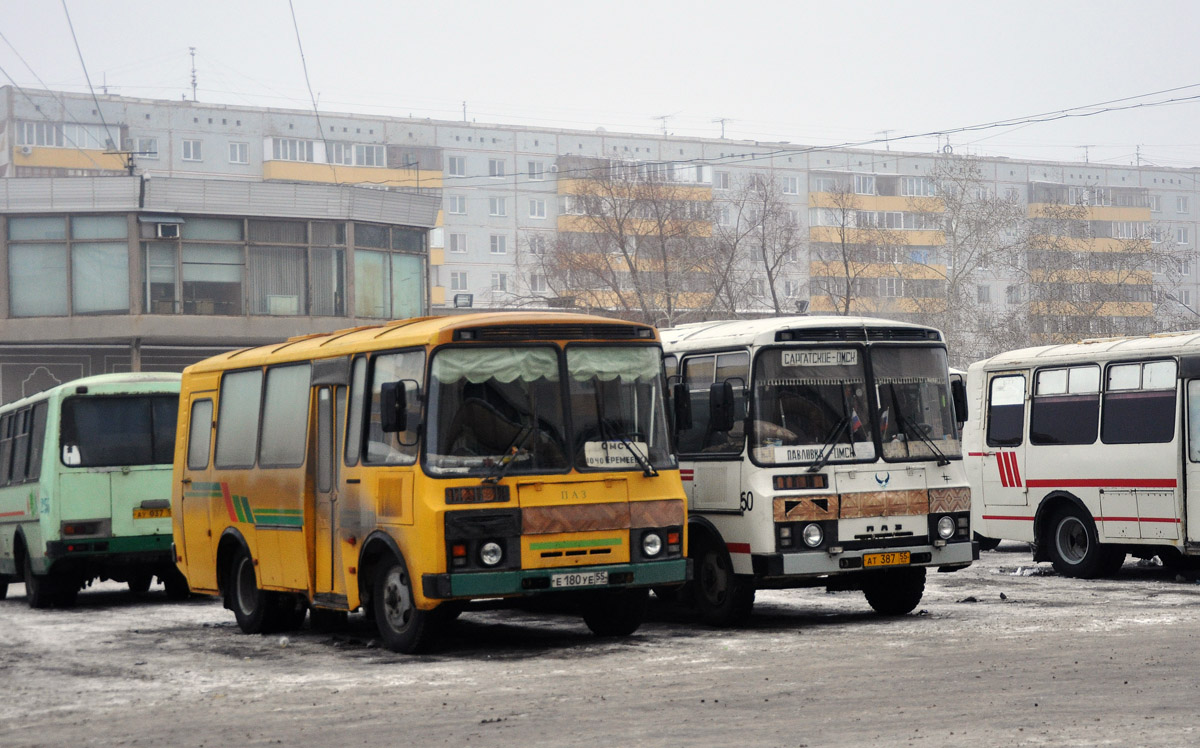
(277, 281)
(37, 278)
(100, 277)
(408, 294)
(1066, 406)
(502, 364)
(1006, 411)
(212, 278)
(609, 363)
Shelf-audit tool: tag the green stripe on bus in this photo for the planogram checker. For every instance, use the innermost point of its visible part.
(261, 512)
(210, 487)
(239, 510)
(548, 546)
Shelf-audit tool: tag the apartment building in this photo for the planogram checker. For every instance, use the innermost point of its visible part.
(246, 224)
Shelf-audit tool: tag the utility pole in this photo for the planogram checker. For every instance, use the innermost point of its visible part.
(464, 111)
(722, 120)
(1085, 151)
(192, 52)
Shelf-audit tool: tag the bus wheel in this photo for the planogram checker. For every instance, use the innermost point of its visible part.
(403, 626)
(895, 592)
(615, 612)
(139, 582)
(254, 608)
(1075, 548)
(40, 590)
(722, 598)
(175, 583)
(987, 544)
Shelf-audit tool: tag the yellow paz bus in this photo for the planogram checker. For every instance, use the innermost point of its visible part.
(409, 467)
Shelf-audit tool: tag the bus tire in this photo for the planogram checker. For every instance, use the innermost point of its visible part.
(176, 584)
(615, 612)
(402, 626)
(722, 598)
(255, 609)
(1074, 546)
(895, 592)
(139, 582)
(987, 544)
(40, 590)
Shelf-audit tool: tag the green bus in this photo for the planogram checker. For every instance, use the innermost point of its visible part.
(85, 487)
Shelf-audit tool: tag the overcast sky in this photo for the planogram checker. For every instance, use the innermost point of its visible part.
(805, 72)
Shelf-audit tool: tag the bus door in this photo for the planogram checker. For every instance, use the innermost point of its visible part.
(1003, 456)
(329, 393)
(715, 455)
(1191, 463)
(201, 496)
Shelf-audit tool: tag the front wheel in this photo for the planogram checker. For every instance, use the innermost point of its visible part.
(895, 592)
(615, 612)
(403, 626)
(722, 598)
(1075, 548)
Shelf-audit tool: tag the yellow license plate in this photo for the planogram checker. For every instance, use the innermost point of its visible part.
(900, 558)
(151, 513)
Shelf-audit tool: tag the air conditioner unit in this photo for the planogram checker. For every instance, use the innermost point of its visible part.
(553, 168)
(167, 230)
(26, 150)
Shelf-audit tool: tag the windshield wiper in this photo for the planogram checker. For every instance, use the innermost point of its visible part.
(913, 430)
(510, 454)
(642, 460)
(830, 444)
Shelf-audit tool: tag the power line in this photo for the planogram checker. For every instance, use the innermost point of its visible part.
(88, 78)
(46, 117)
(304, 65)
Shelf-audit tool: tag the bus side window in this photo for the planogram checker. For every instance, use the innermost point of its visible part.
(697, 373)
(237, 420)
(1139, 403)
(199, 434)
(5, 447)
(285, 416)
(21, 429)
(36, 444)
(1066, 406)
(1006, 411)
(354, 419)
(1193, 394)
(399, 448)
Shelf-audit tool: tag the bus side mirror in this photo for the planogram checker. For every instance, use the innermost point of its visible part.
(958, 394)
(720, 406)
(393, 408)
(681, 401)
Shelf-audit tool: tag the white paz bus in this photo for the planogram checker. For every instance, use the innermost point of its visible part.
(1090, 451)
(817, 451)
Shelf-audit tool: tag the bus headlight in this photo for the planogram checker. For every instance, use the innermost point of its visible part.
(651, 544)
(491, 553)
(813, 535)
(945, 528)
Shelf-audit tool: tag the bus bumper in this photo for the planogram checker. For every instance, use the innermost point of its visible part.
(533, 581)
(825, 563)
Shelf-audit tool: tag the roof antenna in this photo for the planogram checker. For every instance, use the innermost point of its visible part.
(192, 52)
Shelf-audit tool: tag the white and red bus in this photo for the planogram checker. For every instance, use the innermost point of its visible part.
(1089, 451)
(817, 451)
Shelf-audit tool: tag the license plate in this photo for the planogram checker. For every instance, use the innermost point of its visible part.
(151, 513)
(900, 558)
(579, 579)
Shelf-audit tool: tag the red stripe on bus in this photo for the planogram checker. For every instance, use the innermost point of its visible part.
(976, 454)
(1103, 483)
(228, 502)
(738, 547)
(12, 514)
(1002, 466)
(1172, 520)
(1016, 469)
(1013, 519)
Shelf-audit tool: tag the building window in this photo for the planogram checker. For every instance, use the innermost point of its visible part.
(1181, 204)
(239, 153)
(499, 244)
(1185, 296)
(1184, 267)
(499, 281)
(40, 133)
(720, 180)
(291, 149)
(456, 204)
(370, 155)
(791, 185)
(1155, 203)
(497, 206)
(983, 294)
(1012, 295)
(339, 153)
(458, 243)
(1181, 235)
(536, 171)
(388, 285)
(537, 244)
(146, 148)
(191, 150)
(537, 208)
(889, 287)
(537, 283)
(496, 167)
(458, 280)
(864, 184)
(456, 166)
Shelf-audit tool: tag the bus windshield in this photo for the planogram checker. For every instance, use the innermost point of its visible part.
(617, 408)
(118, 431)
(488, 405)
(810, 405)
(916, 418)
